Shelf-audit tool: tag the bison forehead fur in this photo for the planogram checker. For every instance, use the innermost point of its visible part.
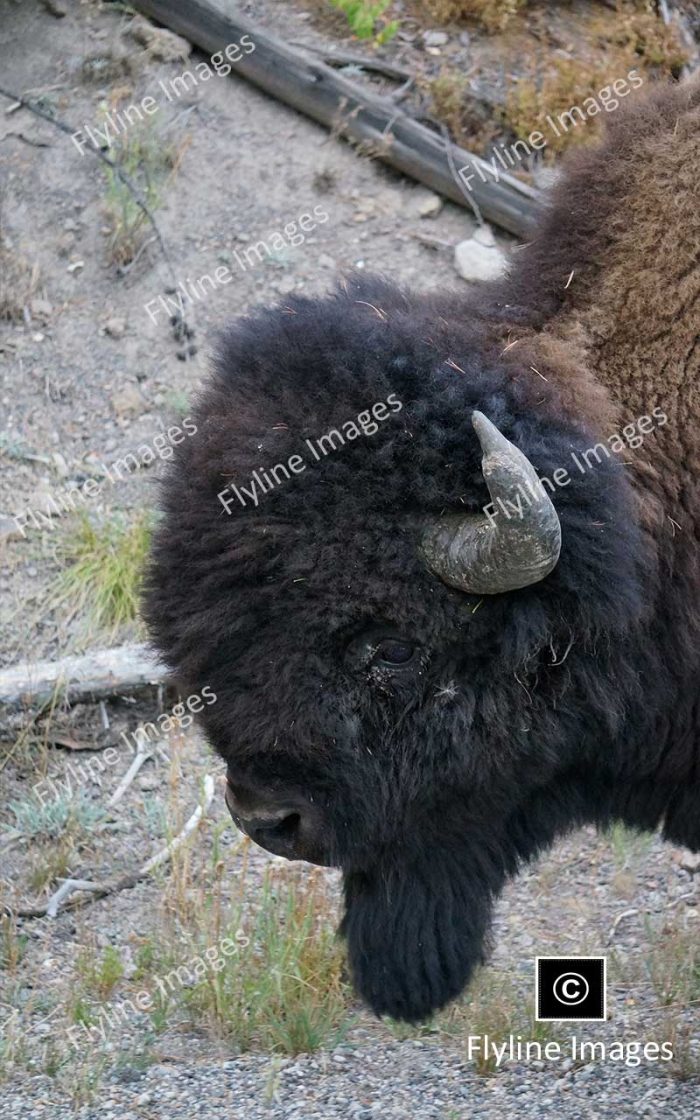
(522, 714)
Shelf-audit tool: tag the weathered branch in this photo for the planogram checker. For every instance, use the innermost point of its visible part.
(315, 89)
(67, 896)
(103, 672)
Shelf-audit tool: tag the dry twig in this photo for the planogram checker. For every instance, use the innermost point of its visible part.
(68, 894)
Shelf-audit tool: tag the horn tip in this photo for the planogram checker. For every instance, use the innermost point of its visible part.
(489, 436)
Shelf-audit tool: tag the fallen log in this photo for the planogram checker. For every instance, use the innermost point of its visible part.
(102, 672)
(378, 123)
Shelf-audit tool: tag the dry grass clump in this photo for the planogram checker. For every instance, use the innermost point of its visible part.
(268, 976)
(18, 281)
(470, 123)
(493, 15)
(285, 991)
(103, 564)
(634, 37)
(566, 83)
(642, 33)
(148, 160)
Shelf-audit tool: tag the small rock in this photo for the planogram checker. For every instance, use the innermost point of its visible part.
(690, 861)
(60, 464)
(43, 501)
(148, 782)
(435, 38)
(40, 308)
(479, 258)
(75, 266)
(325, 261)
(115, 327)
(127, 401)
(428, 205)
(9, 530)
(55, 9)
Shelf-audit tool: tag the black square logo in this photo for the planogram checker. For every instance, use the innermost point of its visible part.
(570, 988)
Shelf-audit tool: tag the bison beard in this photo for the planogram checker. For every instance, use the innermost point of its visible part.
(412, 944)
(415, 926)
(403, 690)
(417, 922)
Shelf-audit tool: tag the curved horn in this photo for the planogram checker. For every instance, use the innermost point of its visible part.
(514, 546)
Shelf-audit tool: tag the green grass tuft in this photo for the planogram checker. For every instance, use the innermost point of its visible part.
(365, 19)
(103, 569)
(284, 991)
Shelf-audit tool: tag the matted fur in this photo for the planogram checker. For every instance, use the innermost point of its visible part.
(572, 701)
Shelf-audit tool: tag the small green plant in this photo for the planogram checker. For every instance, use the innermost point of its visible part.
(147, 160)
(673, 964)
(103, 569)
(363, 16)
(50, 821)
(494, 1006)
(178, 401)
(12, 944)
(628, 845)
(100, 974)
(284, 989)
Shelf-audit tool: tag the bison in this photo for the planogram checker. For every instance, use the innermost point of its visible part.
(437, 557)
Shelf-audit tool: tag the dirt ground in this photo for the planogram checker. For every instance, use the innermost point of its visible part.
(87, 376)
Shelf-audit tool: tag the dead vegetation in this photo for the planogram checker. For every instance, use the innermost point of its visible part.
(492, 15)
(552, 82)
(19, 280)
(149, 159)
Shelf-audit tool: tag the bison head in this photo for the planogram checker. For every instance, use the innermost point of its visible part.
(408, 688)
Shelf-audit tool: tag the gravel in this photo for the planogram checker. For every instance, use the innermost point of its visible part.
(393, 1081)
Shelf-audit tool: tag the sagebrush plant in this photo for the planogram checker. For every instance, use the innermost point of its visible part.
(365, 18)
(102, 571)
(55, 819)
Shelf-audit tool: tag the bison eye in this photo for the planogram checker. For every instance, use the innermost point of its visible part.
(393, 652)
